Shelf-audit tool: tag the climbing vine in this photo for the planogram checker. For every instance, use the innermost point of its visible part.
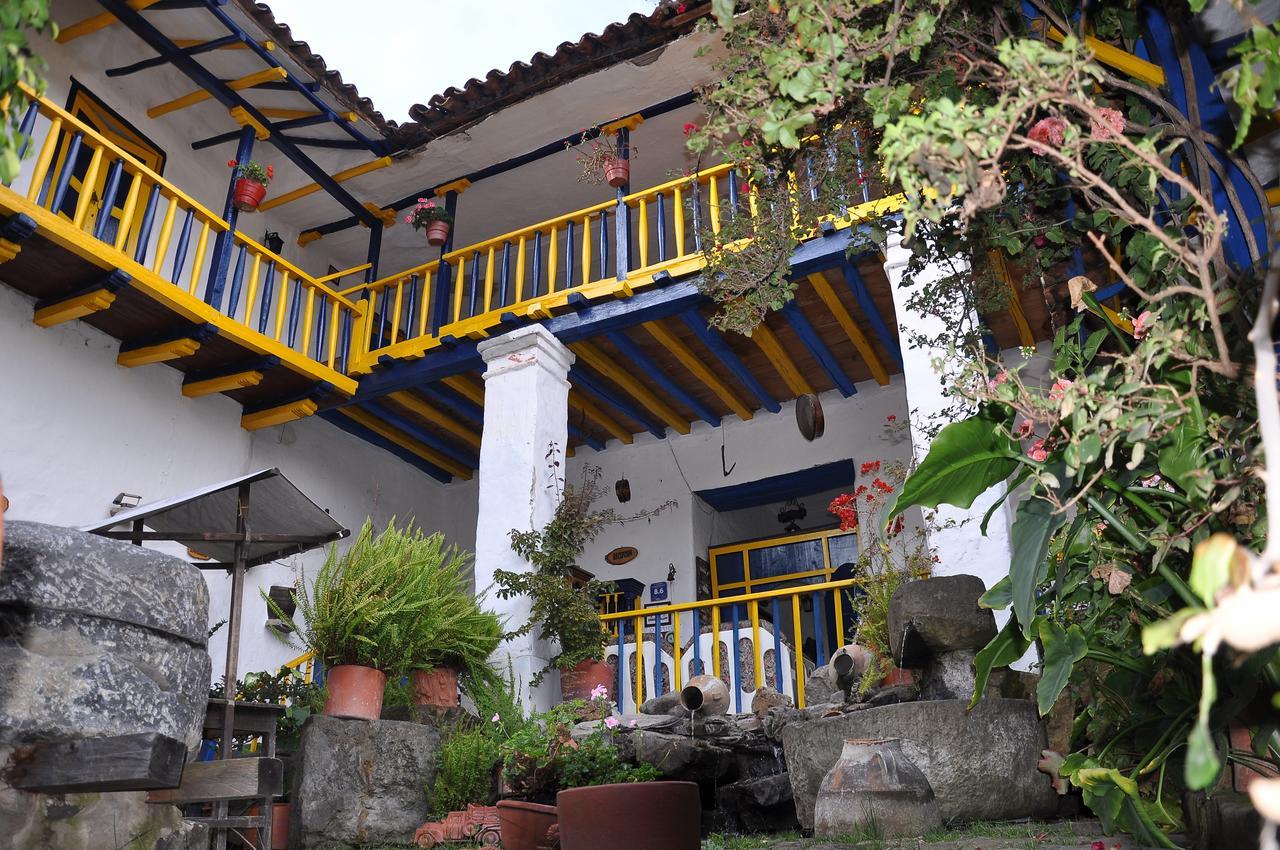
(18, 65)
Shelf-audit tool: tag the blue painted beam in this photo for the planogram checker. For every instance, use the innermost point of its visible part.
(818, 349)
(712, 340)
(427, 438)
(860, 292)
(156, 61)
(291, 124)
(357, 430)
(580, 378)
(333, 144)
(201, 76)
(654, 372)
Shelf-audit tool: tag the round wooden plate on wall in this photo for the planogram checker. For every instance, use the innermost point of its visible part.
(809, 417)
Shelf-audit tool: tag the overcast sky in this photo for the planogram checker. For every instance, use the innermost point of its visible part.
(401, 52)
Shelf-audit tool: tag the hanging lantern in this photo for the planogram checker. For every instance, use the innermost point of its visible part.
(622, 487)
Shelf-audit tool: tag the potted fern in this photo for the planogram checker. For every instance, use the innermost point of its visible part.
(371, 611)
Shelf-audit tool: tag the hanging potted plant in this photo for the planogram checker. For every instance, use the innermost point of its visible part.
(565, 608)
(435, 220)
(251, 183)
(601, 160)
(368, 615)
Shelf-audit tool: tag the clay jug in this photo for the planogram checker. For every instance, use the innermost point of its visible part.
(874, 790)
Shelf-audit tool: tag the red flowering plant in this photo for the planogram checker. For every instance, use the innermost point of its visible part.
(594, 149)
(426, 211)
(255, 171)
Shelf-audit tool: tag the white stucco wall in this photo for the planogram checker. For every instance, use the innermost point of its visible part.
(76, 429)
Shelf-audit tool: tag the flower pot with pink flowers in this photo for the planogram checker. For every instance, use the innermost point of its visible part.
(435, 220)
(251, 183)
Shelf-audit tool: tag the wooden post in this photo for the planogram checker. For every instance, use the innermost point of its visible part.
(233, 645)
(442, 298)
(622, 213)
(222, 244)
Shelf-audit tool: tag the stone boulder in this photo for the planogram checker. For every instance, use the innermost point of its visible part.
(758, 804)
(938, 615)
(949, 675)
(676, 756)
(361, 782)
(99, 638)
(981, 763)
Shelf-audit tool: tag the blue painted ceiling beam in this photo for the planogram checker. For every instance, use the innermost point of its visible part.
(712, 340)
(291, 124)
(854, 279)
(334, 144)
(157, 61)
(201, 76)
(427, 438)
(355, 429)
(579, 378)
(818, 349)
(651, 370)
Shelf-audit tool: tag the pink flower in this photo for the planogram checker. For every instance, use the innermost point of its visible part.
(611, 722)
(1045, 132)
(1142, 324)
(422, 200)
(1059, 389)
(408, 219)
(1098, 845)
(1111, 125)
(632, 723)
(1037, 452)
(1026, 429)
(1000, 378)
(599, 692)
(496, 717)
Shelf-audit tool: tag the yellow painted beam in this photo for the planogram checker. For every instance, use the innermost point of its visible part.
(781, 361)
(828, 295)
(306, 237)
(1273, 196)
(171, 350)
(242, 117)
(406, 442)
(266, 75)
(292, 114)
(278, 415)
(287, 197)
(97, 22)
(602, 363)
(425, 411)
(578, 401)
(1139, 69)
(460, 185)
(9, 249)
(224, 384)
(629, 123)
(74, 308)
(1025, 337)
(694, 364)
(468, 390)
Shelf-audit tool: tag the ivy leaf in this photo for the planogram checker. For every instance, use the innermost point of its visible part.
(1062, 649)
(1034, 525)
(965, 460)
(1005, 648)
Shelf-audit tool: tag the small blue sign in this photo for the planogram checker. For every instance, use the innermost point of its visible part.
(658, 591)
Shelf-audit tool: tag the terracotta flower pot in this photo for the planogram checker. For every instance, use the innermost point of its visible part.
(524, 825)
(591, 818)
(355, 692)
(617, 172)
(899, 676)
(579, 682)
(438, 687)
(874, 782)
(437, 233)
(249, 193)
(279, 825)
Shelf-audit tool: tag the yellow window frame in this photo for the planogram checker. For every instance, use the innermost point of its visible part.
(89, 108)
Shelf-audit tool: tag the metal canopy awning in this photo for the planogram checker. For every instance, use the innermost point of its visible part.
(281, 520)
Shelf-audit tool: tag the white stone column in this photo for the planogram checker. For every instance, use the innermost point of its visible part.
(525, 417)
(962, 548)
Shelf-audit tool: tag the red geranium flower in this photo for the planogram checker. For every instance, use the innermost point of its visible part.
(231, 163)
(690, 127)
(871, 466)
(1046, 132)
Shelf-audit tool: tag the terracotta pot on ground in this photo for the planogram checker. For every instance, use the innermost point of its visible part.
(617, 172)
(524, 825)
(249, 193)
(438, 687)
(355, 692)
(873, 782)
(437, 233)
(651, 816)
(279, 825)
(579, 682)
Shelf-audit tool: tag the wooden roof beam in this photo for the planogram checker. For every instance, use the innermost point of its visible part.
(782, 362)
(837, 309)
(579, 402)
(691, 361)
(97, 22)
(421, 409)
(266, 75)
(600, 362)
(404, 441)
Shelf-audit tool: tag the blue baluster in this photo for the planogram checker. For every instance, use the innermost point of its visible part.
(569, 259)
(237, 281)
(733, 195)
(697, 644)
(737, 663)
(604, 244)
(180, 253)
(504, 278)
(264, 304)
(657, 656)
(696, 199)
(24, 129)
(862, 172)
(820, 637)
(621, 671)
(344, 340)
(68, 166)
(407, 332)
(108, 198)
(322, 326)
(777, 647)
(148, 220)
(475, 281)
(295, 311)
(662, 226)
(536, 265)
(383, 319)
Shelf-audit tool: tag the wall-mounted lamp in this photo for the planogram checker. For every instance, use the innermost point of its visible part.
(622, 487)
(273, 241)
(671, 572)
(124, 501)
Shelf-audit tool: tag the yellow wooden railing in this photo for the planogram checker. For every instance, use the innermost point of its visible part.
(782, 608)
(100, 202)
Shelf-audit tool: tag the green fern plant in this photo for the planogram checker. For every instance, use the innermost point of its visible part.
(397, 601)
